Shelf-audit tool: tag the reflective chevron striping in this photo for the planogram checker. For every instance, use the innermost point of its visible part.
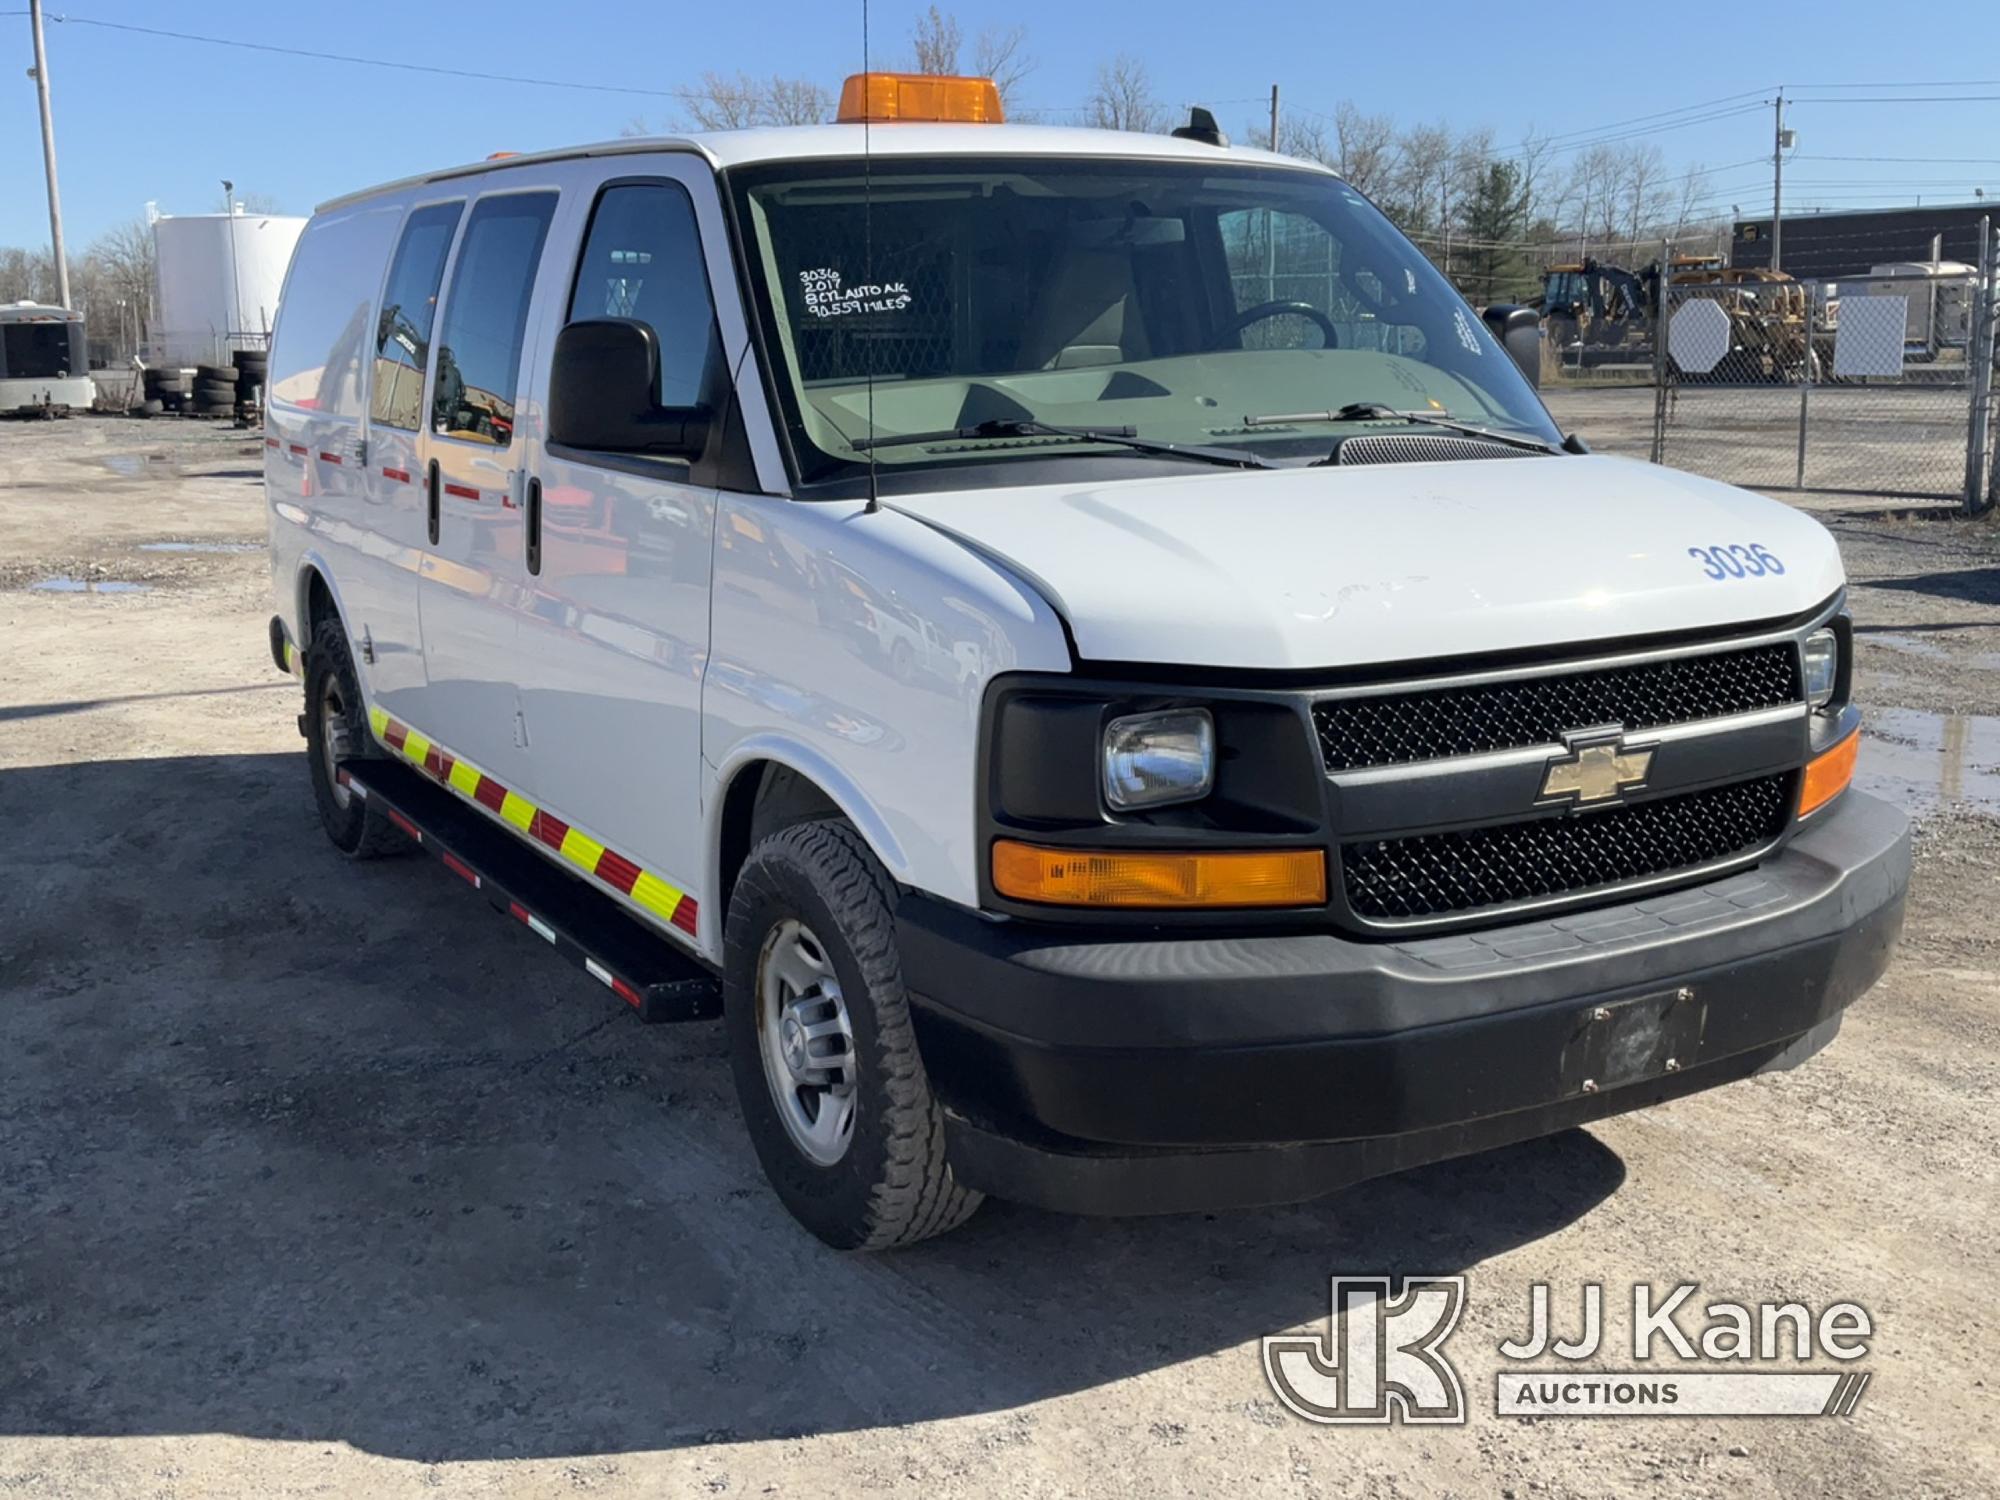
(607, 866)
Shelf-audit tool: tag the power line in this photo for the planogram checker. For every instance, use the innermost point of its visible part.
(477, 75)
(1933, 83)
(1921, 161)
(370, 62)
(1685, 109)
(1904, 99)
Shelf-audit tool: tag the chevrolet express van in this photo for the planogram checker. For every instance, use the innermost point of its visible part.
(1086, 641)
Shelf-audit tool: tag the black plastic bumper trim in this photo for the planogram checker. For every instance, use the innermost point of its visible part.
(1122, 1051)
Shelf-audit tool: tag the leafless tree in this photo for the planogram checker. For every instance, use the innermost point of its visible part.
(1642, 173)
(124, 258)
(1364, 147)
(1303, 136)
(1688, 201)
(724, 103)
(1123, 98)
(741, 102)
(26, 275)
(1001, 54)
(796, 101)
(1533, 162)
(937, 38)
(1420, 186)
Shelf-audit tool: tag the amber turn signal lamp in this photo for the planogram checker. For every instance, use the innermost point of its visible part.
(1827, 774)
(1140, 878)
(881, 97)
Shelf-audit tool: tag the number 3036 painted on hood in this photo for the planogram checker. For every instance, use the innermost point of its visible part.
(1736, 560)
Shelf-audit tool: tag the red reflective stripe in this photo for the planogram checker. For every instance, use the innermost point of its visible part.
(519, 912)
(616, 871)
(685, 915)
(434, 763)
(549, 830)
(299, 448)
(464, 492)
(459, 867)
(270, 442)
(489, 793)
(410, 828)
(625, 991)
(395, 733)
(401, 476)
(331, 458)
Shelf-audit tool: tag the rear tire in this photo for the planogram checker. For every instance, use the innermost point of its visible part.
(337, 729)
(811, 936)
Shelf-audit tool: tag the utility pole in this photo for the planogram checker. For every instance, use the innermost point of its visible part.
(234, 323)
(1274, 117)
(49, 153)
(1780, 139)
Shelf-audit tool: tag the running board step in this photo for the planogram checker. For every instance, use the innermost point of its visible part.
(648, 972)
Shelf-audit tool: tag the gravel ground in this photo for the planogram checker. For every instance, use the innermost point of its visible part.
(319, 1179)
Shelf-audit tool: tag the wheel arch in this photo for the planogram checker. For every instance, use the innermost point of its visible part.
(769, 784)
(315, 595)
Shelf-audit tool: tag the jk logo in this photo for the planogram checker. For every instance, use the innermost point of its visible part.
(1378, 1360)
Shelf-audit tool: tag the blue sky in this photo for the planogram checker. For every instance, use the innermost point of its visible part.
(144, 117)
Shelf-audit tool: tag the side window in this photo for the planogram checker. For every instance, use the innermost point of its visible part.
(642, 259)
(486, 316)
(403, 332)
(326, 322)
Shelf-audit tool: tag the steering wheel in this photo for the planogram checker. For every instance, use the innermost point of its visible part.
(1265, 310)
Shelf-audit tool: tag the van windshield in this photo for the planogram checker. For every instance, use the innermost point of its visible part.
(1168, 301)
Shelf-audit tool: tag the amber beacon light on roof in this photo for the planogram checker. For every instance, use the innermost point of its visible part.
(889, 97)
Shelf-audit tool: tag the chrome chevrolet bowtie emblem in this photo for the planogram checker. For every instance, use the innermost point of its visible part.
(1596, 773)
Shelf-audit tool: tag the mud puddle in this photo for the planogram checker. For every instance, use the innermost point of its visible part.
(63, 584)
(137, 465)
(1930, 763)
(206, 547)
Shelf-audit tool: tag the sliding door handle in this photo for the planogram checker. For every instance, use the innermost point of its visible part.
(432, 490)
(534, 526)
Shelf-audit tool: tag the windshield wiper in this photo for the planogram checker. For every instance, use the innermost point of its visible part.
(1375, 411)
(1124, 437)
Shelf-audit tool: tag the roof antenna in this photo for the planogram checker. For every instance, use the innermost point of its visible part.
(868, 264)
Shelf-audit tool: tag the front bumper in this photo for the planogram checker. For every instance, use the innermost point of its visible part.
(1173, 1074)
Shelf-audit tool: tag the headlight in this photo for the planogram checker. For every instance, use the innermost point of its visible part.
(1153, 760)
(1822, 667)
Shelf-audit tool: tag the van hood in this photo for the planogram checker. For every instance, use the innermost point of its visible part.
(1303, 568)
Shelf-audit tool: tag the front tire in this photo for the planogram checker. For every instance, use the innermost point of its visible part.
(825, 1059)
(336, 722)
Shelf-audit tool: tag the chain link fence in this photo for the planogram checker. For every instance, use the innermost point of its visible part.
(1879, 384)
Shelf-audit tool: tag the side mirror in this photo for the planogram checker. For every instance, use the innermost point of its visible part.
(601, 385)
(1519, 330)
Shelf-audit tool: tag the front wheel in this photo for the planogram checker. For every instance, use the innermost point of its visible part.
(825, 1059)
(336, 724)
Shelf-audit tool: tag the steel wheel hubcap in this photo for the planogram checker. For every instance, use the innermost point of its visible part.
(806, 1042)
(333, 739)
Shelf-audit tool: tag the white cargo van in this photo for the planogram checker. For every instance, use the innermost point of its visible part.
(1082, 646)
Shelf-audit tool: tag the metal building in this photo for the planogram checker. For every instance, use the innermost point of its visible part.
(1849, 242)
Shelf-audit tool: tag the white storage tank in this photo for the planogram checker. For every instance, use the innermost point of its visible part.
(219, 278)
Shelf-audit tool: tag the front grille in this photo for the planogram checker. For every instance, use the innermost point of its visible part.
(1401, 448)
(1440, 874)
(1425, 724)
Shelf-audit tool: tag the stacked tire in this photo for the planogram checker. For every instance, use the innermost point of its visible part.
(214, 390)
(168, 391)
(252, 366)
